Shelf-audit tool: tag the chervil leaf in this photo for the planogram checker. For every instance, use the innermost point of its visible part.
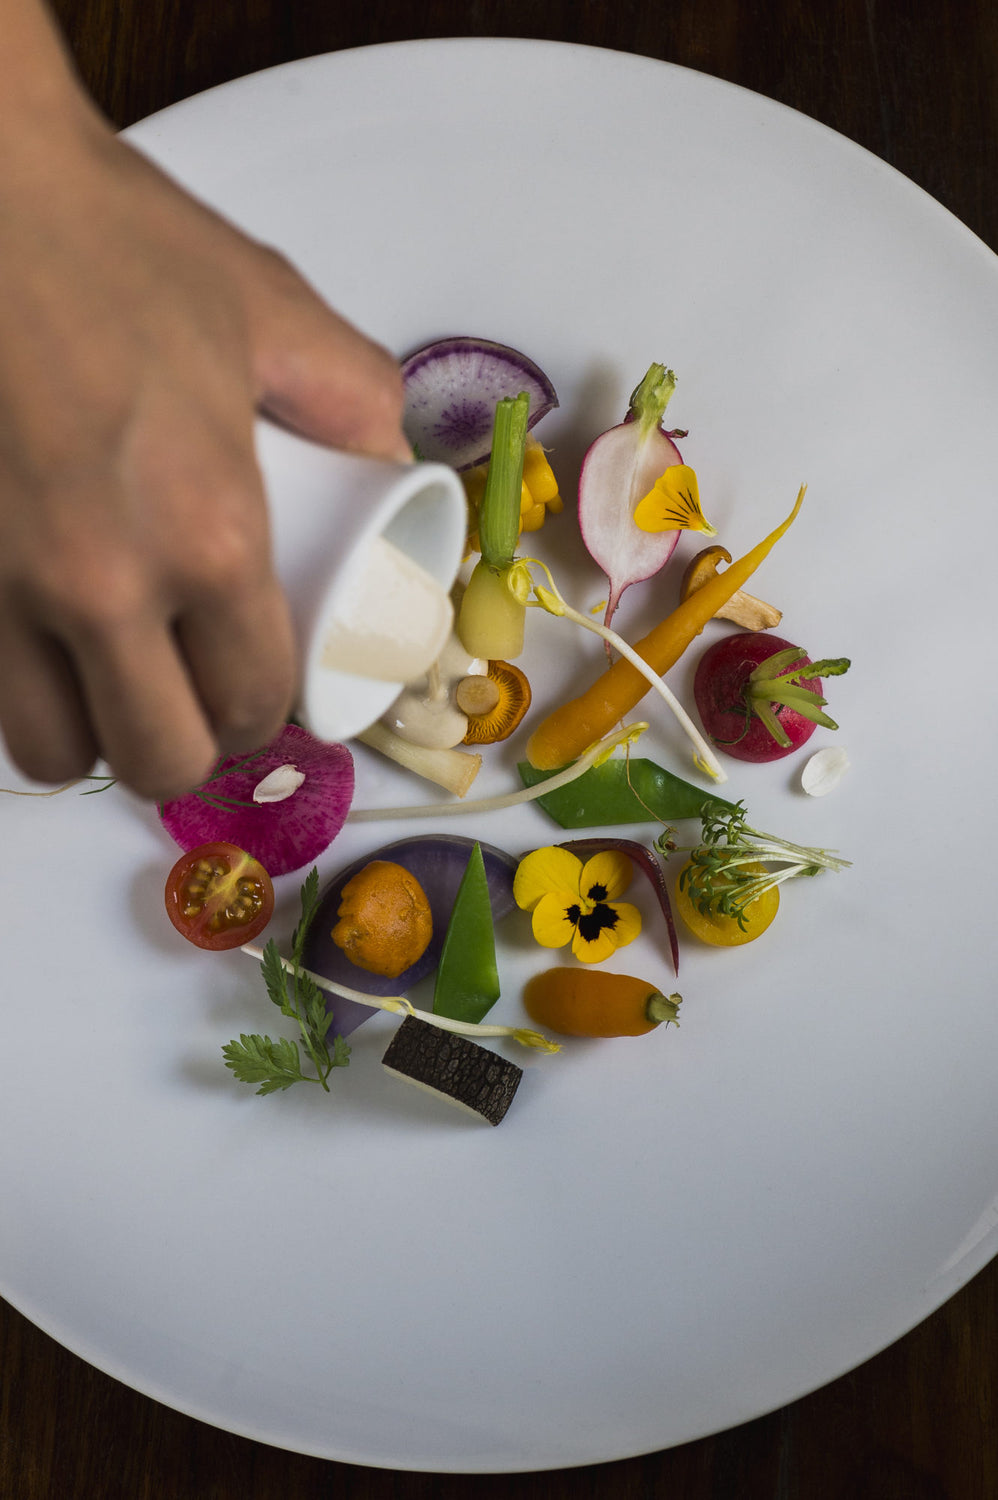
(259, 1059)
(309, 905)
(277, 1065)
(276, 979)
(313, 1004)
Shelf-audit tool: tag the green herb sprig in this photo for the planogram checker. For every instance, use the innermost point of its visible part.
(723, 876)
(276, 1065)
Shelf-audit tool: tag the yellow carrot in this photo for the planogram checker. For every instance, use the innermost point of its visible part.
(576, 725)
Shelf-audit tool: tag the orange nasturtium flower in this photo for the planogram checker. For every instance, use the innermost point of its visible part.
(577, 903)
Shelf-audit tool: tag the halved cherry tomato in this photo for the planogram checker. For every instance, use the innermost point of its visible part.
(219, 896)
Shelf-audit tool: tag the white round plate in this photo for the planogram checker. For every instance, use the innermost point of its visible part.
(667, 1235)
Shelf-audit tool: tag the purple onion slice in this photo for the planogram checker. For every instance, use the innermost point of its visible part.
(451, 389)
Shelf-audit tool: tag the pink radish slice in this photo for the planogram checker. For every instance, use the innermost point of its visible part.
(282, 835)
(619, 469)
(438, 861)
(451, 390)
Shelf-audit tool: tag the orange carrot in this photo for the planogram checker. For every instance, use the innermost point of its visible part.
(576, 725)
(588, 1002)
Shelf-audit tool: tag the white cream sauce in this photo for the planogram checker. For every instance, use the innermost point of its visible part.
(425, 712)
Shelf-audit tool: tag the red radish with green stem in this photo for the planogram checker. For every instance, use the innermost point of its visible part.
(760, 697)
(618, 471)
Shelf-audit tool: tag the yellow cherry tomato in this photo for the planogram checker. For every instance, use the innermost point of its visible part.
(722, 931)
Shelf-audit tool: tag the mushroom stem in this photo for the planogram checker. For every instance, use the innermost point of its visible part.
(454, 770)
(741, 608)
(477, 695)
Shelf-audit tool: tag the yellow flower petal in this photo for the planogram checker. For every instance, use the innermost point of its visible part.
(550, 869)
(552, 925)
(628, 924)
(596, 949)
(673, 504)
(593, 946)
(609, 872)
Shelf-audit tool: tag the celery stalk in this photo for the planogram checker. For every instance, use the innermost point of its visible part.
(499, 517)
(490, 620)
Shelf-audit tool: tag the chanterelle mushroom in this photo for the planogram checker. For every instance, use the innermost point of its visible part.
(492, 716)
(744, 609)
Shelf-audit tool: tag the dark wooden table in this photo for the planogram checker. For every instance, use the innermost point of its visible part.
(918, 85)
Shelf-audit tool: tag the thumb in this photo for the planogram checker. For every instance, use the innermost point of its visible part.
(315, 372)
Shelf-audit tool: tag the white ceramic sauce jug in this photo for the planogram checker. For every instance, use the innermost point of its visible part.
(366, 551)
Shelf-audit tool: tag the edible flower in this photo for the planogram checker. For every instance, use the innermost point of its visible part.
(577, 903)
(673, 503)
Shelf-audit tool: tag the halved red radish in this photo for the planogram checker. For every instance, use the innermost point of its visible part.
(451, 389)
(760, 697)
(620, 468)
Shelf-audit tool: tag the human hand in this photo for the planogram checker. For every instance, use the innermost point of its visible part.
(140, 334)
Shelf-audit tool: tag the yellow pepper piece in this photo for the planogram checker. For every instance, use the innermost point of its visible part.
(538, 492)
(533, 518)
(539, 475)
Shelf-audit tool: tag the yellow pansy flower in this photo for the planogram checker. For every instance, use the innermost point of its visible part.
(673, 504)
(576, 903)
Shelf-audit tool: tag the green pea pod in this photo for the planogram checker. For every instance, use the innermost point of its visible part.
(467, 984)
(621, 791)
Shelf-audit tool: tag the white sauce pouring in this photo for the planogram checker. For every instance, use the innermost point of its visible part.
(425, 712)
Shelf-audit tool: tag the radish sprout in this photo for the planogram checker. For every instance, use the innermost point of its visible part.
(723, 875)
(552, 600)
(398, 1005)
(594, 756)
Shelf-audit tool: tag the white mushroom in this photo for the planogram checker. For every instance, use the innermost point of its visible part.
(742, 608)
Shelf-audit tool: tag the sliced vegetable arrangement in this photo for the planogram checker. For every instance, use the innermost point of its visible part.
(429, 906)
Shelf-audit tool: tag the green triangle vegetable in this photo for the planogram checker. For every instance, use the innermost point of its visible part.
(467, 984)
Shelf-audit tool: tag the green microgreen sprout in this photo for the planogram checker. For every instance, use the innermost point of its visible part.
(722, 877)
(219, 800)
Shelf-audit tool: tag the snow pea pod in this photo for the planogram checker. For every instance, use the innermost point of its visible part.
(467, 983)
(621, 791)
